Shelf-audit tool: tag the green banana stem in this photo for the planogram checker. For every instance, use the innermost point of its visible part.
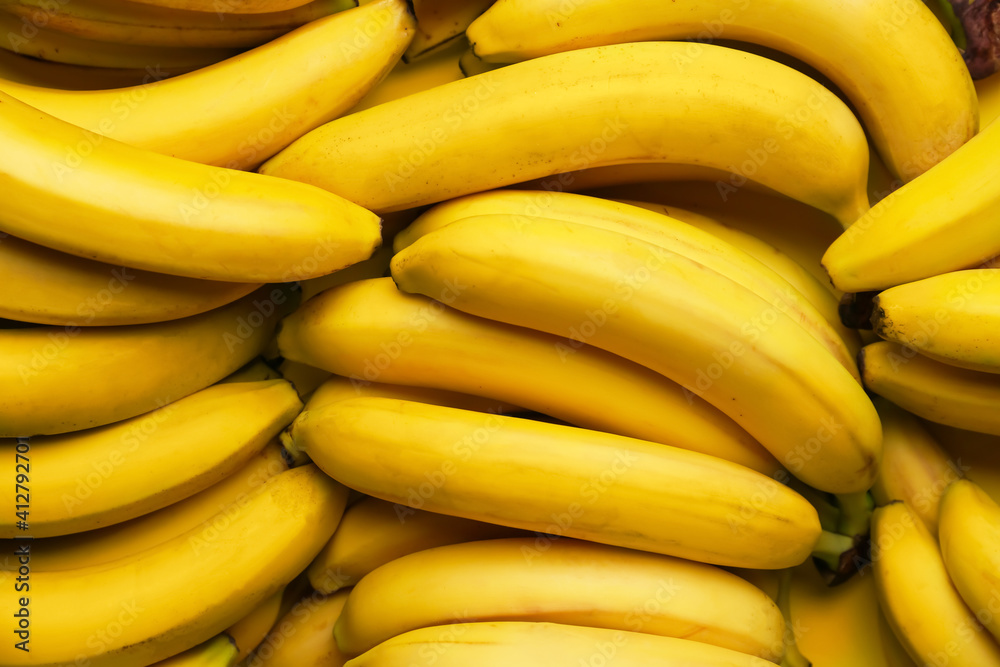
(831, 548)
(828, 511)
(855, 514)
(953, 23)
(793, 656)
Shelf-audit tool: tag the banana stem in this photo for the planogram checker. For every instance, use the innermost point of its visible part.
(828, 511)
(954, 24)
(831, 547)
(291, 453)
(793, 656)
(855, 514)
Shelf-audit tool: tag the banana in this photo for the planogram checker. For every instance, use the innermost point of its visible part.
(46, 286)
(304, 378)
(72, 190)
(251, 630)
(219, 651)
(158, 602)
(938, 223)
(127, 22)
(304, 636)
(69, 379)
(31, 38)
(976, 455)
(644, 108)
(918, 598)
(970, 546)
(375, 266)
(208, 511)
(893, 652)
(670, 314)
(107, 475)
(33, 72)
(228, 6)
(988, 93)
(545, 645)
(917, 113)
(254, 371)
(952, 317)
(602, 487)
(337, 388)
(374, 532)
(440, 22)
(275, 93)
(915, 468)
(407, 78)
(562, 581)
(369, 331)
(930, 389)
(673, 234)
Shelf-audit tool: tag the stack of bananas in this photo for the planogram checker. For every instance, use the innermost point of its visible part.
(458, 333)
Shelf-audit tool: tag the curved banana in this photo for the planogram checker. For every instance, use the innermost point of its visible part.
(136, 23)
(930, 389)
(304, 636)
(601, 487)
(207, 511)
(72, 378)
(254, 371)
(565, 581)
(988, 94)
(274, 93)
(76, 191)
(46, 286)
(670, 314)
(440, 22)
(338, 388)
(374, 532)
(893, 652)
(953, 317)
(544, 645)
(918, 598)
(407, 78)
(654, 227)
(27, 38)
(104, 476)
(376, 266)
(219, 651)
(305, 378)
(891, 58)
(639, 107)
(970, 546)
(184, 591)
(915, 469)
(369, 331)
(34, 72)
(228, 6)
(251, 630)
(938, 223)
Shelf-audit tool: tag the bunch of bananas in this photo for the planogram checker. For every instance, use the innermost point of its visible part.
(550, 333)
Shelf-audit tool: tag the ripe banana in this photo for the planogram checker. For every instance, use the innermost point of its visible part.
(970, 546)
(167, 599)
(107, 475)
(135, 23)
(941, 222)
(670, 314)
(919, 600)
(562, 581)
(337, 388)
(930, 389)
(34, 72)
(406, 78)
(251, 630)
(374, 532)
(952, 317)
(544, 645)
(46, 286)
(76, 191)
(440, 22)
(228, 6)
(219, 651)
(255, 371)
(375, 266)
(917, 113)
(69, 379)
(28, 38)
(988, 94)
(207, 511)
(602, 487)
(305, 378)
(654, 227)
(304, 636)
(274, 93)
(915, 469)
(369, 331)
(612, 104)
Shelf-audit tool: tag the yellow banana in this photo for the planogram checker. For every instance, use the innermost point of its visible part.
(34, 72)
(375, 266)
(970, 546)
(273, 94)
(251, 630)
(254, 371)
(930, 389)
(952, 317)
(893, 652)
(76, 191)
(369, 331)
(304, 378)
(72, 378)
(976, 455)
(338, 388)
(545, 645)
(602, 487)
(644, 108)
(228, 6)
(208, 511)
(440, 22)
(374, 532)
(158, 602)
(219, 651)
(31, 38)
(406, 78)
(891, 58)
(673, 234)
(670, 314)
(562, 581)
(988, 93)
(919, 600)
(136, 23)
(915, 468)
(938, 223)
(114, 473)
(304, 636)
(50, 287)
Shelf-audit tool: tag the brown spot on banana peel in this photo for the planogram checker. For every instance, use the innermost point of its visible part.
(980, 21)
